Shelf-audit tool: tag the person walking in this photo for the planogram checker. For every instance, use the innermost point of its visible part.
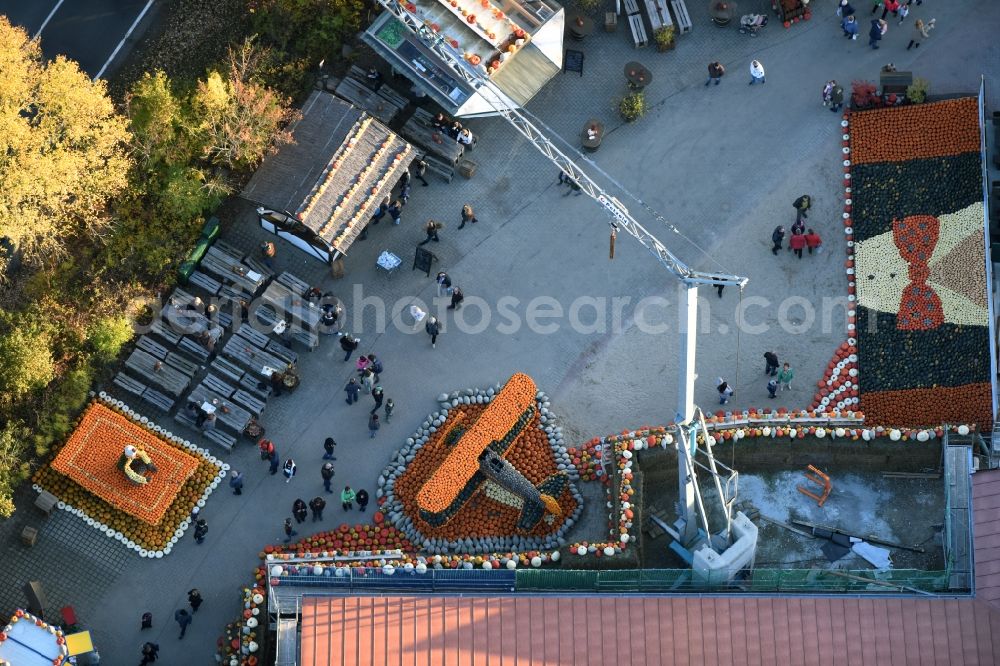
(431, 229)
(236, 483)
(715, 72)
(377, 216)
(756, 72)
(299, 510)
(777, 236)
(904, 11)
(827, 90)
(329, 444)
(877, 31)
(150, 651)
(348, 344)
(274, 461)
(373, 424)
(289, 530)
(422, 170)
(361, 364)
(443, 284)
(785, 377)
(433, 328)
(395, 211)
(797, 243)
(352, 389)
(347, 498)
(200, 530)
(404, 191)
(813, 241)
(801, 206)
(317, 504)
(327, 472)
(849, 25)
(724, 389)
(183, 618)
(772, 388)
(836, 97)
(890, 6)
(195, 599)
(368, 380)
(388, 409)
(467, 216)
(377, 395)
(771, 361)
(845, 8)
(146, 621)
(362, 498)
(921, 31)
(456, 298)
(268, 250)
(288, 470)
(376, 366)
(798, 228)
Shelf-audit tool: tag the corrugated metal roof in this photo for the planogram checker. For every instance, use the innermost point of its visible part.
(646, 631)
(525, 74)
(986, 533)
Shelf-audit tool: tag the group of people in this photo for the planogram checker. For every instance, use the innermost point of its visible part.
(454, 129)
(782, 377)
(880, 26)
(802, 238)
(369, 370)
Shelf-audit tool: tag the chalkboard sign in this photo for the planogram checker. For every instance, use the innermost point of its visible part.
(422, 260)
(573, 61)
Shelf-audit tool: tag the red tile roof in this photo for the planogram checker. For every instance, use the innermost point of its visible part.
(986, 535)
(646, 631)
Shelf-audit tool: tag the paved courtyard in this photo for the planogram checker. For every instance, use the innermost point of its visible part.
(722, 164)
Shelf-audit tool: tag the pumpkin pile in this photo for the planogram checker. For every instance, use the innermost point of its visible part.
(838, 390)
(148, 518)
(241, 641)
(20, 630)
(916, 264)
(435, 493)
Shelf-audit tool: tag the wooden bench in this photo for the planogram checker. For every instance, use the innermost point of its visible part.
(188, 367)
(213, 383)
(228, 414)
(681, 16)
(659, 15)
(254, 404)
(638, 30)
(46, 501)
(151, 346)
(229, 370)
(163, 330)
(233, 294)
(161, 401)
(252, 335)
(255, 386)
(259, 266)
(133, 386)
(392, 97)
(282, 352)
(424, 116)
(440, 167)
(631, 7)
(232, 251)
(225, 440)
(194, 348)
(310, 339)
(206, 282)
(298, 286)
(895, 82)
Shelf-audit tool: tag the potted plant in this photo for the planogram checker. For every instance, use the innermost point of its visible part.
(632, 106)
(665, 38)
(917, 91)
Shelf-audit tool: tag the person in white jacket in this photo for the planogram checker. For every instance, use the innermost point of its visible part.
(756, 72)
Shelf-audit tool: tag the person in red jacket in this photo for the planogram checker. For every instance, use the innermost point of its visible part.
(813, 241)
(796, 243)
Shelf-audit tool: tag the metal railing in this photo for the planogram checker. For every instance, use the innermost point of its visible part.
(432, 580)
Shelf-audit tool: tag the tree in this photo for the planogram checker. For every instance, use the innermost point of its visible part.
(63, 150)
(240, 120)
(26, 361)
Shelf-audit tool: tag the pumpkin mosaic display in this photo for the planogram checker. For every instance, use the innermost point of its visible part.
(148, 518)
(917, 264)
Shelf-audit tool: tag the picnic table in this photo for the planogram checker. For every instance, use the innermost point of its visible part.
(256, 359)
(227, 412)
(227, 267)
(184, 320)
(286, 301)
(167, 377)
(433, 140)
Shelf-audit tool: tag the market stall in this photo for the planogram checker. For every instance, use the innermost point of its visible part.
(319, 191)
(28, 640)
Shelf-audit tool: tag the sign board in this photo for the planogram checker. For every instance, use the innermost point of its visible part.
(422, 260)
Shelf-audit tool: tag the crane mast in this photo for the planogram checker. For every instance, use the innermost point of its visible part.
(688, 424)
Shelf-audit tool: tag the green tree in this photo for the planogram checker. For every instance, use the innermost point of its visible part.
(308, 29)
(239, 119)
(26, 360)
(12, 471)
(63, 149)
(108, 335)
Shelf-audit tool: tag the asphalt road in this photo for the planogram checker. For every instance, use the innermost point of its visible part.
(88, 31)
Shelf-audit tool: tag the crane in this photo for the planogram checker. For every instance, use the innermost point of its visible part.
(688, 419)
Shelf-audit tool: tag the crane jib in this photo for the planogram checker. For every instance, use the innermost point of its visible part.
(615, 209)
